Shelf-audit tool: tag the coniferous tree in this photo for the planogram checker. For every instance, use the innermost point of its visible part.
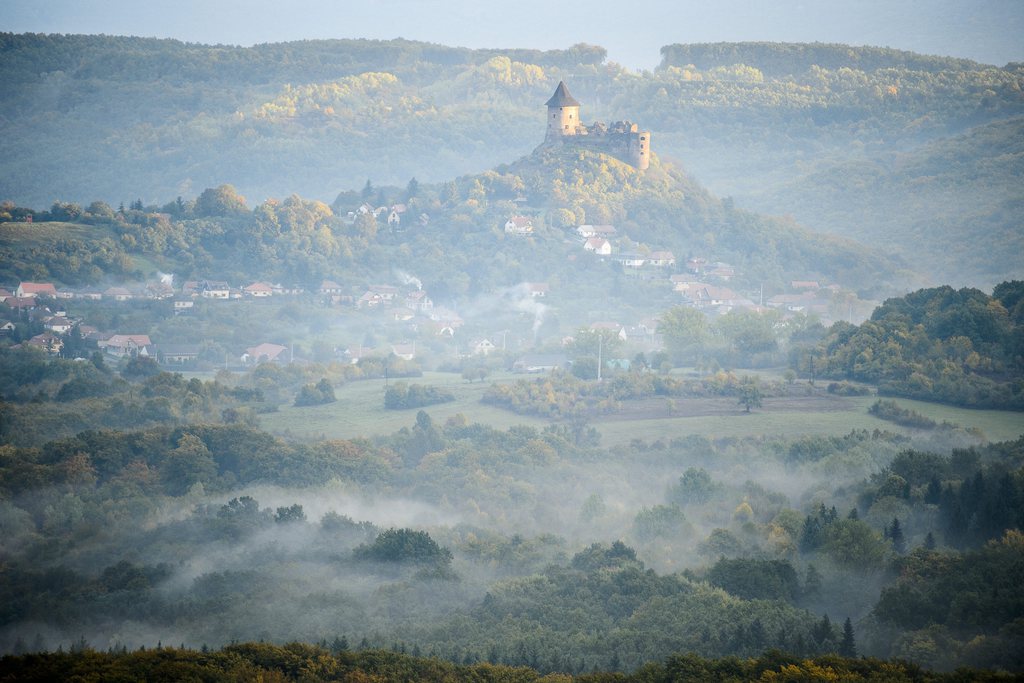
(929, 541)
(848, 646)
(899, 543)
(812, 582)
(822, 632)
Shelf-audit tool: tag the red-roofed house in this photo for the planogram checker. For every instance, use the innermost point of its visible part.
(258, 290)
(126, 345)
(661, 259)
(117, 294)
(58, 324)
(32, 289)
(598, 245)
(265, 353)
(330, 287)
(47, 341)
(418, 301)
(519, 225)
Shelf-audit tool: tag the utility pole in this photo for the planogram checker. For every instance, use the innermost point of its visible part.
(600, 349)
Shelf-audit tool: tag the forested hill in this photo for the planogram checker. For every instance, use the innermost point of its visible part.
(452, 234)
(112, 118)
(953, 346)
(790, 59)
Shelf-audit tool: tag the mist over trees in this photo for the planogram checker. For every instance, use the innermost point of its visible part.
(452, 408)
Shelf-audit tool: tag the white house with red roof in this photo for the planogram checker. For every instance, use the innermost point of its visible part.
(519, 225)
(661, 259)
(33, 289)
(121, 345)
(117, 294)
(258, 290)
(265, 353)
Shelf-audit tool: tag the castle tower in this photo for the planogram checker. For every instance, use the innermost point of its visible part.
(563, 114)
(640, 150)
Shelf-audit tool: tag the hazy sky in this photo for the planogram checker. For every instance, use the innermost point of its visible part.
(990, 31)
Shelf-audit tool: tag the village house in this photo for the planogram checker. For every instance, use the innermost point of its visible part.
(21, 303)
(258, 290)
(537, 290)
(418, 300)
(117, 294)
(6, 327)
(447, 320)
(481, 347)
(794, 303)
(58, 324)
(684, 283)
(387, 293)
(519, 225)
(661, 259)
(330, 287)
(721, 298)
(265, 353)
(176, 354)
(5, 294)
(369, 300)
(48, 342)
(34, 289)
(121, 345)
(721, 271)
(644, 332)
(159, 290)
(355, 354)
(182, 304)
(588, 231)
(541, 362)
(404, 351)
(395, 216)
(214, 289)
(598, 245)
(696, 264)
(630, 259)
(615, 329)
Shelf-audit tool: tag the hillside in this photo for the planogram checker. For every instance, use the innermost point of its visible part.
(746, 119)
(452, 237)
(952, 206)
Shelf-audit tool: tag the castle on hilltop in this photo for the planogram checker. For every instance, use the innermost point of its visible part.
(621, 139)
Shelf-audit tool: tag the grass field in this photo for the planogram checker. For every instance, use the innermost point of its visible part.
(359, 411)
(41, 234)
(22, 237)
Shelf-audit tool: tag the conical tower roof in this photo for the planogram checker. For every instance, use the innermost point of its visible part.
(562, 98)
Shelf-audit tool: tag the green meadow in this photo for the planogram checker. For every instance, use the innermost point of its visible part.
(359, 411)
